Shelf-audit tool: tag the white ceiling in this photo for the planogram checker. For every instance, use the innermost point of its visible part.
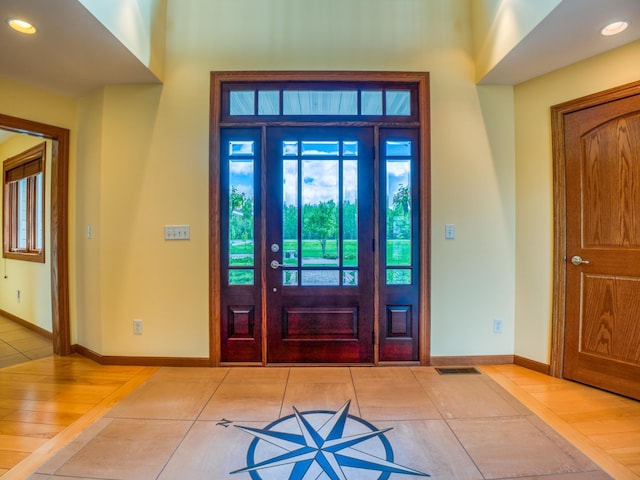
(570, 33)
(73, 53)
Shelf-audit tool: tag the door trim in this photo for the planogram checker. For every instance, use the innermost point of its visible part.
(421, 79)
(59, 213)
(558, 113)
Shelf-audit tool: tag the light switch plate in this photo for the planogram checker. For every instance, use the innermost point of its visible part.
(177, 232)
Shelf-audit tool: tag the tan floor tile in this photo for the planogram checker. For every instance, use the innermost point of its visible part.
(382, 401)
(128, 449)
(210, 451)
(245, 402)
(469, 397)
(31, 343)
(15, 334)
(390, 375)
(319, 396)
(55, 463)
(430, 447)
(257, 375)
(181, 374)
(319, 375)
(168, 400)
(517, 447)
(571, 476)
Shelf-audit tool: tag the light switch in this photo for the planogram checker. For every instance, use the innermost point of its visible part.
(177, 232)
(449, 231)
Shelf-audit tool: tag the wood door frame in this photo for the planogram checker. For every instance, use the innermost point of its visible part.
(422, 81)
(558, 113)
(58, 210)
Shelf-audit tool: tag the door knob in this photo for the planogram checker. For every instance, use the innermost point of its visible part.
(577, 260)
(276, 265)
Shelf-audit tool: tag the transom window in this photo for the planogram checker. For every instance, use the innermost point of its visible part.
(23, 218)
(295, 101)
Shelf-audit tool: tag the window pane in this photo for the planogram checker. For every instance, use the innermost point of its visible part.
(398, 148)
(371, 102)
(350, 213)
(319, 184)
(242, 102)
(350, 278)
(268, 102)
(309, 102)
(398, 102)
(241, 148)
(350, 149)
(39, 220)
(290, 148)
(241, 211)
(290, 212)
(241, 277)
(290, 278)
(22, 214)
(321, 148)
(398, 213)
(320, 277)
(396, 276)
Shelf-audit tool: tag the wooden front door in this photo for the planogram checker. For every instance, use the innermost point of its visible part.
(319, 235)
(602, 330)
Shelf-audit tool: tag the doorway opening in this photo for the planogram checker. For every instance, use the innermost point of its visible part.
(58, 209)
(319, 221)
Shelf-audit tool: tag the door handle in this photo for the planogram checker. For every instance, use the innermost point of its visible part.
(276, 265)
(577, 260)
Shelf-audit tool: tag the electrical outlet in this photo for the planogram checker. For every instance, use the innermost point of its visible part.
(497, 325)
(137, 327)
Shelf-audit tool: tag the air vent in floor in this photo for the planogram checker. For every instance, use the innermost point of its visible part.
(457, 371)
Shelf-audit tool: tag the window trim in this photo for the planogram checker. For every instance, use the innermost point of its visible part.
(32, 162)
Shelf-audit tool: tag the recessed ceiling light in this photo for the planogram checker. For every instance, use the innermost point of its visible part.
(21, 26)
(614, 28)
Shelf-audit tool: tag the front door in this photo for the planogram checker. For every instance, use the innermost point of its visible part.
(320, 252)
(602, 337)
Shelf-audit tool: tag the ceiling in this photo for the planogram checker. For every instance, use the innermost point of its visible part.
(74, 54)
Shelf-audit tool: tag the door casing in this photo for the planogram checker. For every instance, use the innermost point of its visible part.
(217, 80)
(58, 257)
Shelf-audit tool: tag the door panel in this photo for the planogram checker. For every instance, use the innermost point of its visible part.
(602, 337)
(319, 232)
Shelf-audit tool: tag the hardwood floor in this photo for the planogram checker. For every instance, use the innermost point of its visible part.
(604, 426)
(46, 403)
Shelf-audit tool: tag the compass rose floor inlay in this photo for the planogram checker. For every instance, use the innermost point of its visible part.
(318, 423)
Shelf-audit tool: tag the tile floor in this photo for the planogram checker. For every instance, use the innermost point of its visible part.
(391, 423)
(19, 344)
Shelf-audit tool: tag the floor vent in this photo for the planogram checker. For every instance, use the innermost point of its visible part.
(458, 371)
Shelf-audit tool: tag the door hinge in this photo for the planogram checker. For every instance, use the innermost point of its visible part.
(373, 245)
(373, 338)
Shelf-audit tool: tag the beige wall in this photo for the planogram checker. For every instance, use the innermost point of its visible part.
(499, 25)
(31, 279)
(142, 163)
(153, 164)
(534, 186)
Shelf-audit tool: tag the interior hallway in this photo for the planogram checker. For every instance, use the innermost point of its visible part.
(168, 422)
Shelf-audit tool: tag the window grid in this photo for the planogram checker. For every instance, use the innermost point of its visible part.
(23, 229)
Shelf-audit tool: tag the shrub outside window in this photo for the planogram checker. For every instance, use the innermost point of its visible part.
(23, 185)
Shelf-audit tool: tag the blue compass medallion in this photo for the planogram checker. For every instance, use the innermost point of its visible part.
(321, 445)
